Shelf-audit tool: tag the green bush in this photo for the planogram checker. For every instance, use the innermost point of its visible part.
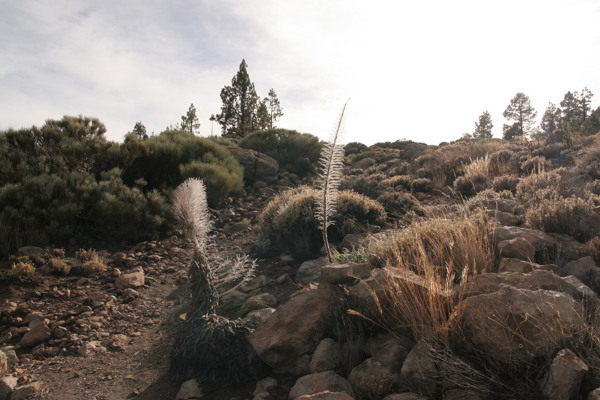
(289, 225)
(354, 148)
(398, 204)
(371, 185)
(167, 160)
(295, 152)
(571, 216)
(399, 182)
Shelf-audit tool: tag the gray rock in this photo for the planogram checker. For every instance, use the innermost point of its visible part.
(258, 302)
(25, 391)
(320, 382)
(189, 390)
(310, 271)
(564, 378)
(508, 264)
(38, 333)
(327, 395)
(594, 394)
(505, 218)
(345, 273)
(267, 385)
(257, 166)
(326, 356)
(419, 368)
(3, 363)
(517, 248)
(231, 301)
(130, 280)
(585, 269)
(260, 316)
(7, 385)
(460, 394)
(294, 329)
(405, 396)
(32, 252)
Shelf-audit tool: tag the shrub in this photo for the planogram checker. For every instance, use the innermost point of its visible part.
(59, 267)
(421, 185)
(478, 169)
(92, 266)
(371, 185)
(398, 204)
(502, 161)
(23, 269)
(589, 163)
(166, 158)
(593, 187)
(450, 246)
(464, 186)
(534, 165)
(295, 152)
(530, 188)
(289, 225)
(505, 182)
(571, 216)
(403, 182)
(354, 148)
(58, 252)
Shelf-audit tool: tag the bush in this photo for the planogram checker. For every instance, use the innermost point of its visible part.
(505, 182)
(534, 165)
(465, 187)
(589, 163)
(398, 204)
(571, 216)
(371, 185)
(537, 186)
(354, 148)
(403, 182)
(421, 185)
(23, 269)
(295, 152)
(289, 225)
(502, 161)
(59, 267)
(166, 158)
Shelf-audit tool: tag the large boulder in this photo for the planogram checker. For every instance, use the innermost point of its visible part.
(326, 357)
(32, 252)
(514, 326)
(320, 382)
(38, 333)
(345, 273)
(310, 271)
(585, 269)
(294, 329)
(130, 280)
(517, 248)
(420, 369)
(380, 375)
(257, 166)
(563, 380)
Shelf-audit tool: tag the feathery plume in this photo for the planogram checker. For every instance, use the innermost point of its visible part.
(190, 207)
(331, 163)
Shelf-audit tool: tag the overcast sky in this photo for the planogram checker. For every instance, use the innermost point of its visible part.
(421, 70)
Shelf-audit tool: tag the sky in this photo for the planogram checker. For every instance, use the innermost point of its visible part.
(418, 70)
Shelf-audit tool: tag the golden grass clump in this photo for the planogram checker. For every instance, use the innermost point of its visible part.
(92, 262)
(58, 266)
(23, 269)
(478, 169)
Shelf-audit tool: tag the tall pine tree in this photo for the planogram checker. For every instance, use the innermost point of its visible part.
(190, 122)
(523, 114)
(483, 127)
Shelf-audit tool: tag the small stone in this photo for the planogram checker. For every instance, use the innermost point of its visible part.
(189, 390)
(116, 272)
(564, 378)
(25, 391)
(3, 363)
(38, 333)
(326, 357)
(517, 248)
(259, 316)
(320, 382)
(265, 385)
(7, 385)
(119, 342)
(133, 279)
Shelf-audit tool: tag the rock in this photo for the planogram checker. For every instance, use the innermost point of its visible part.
(3, 363)
(505, 218)
(418, 366)
(258, 282)
(38, 333)
(294, 329)
(326, 356)
(32, 316)
(503, 205)
(91, 347)
(231, 301)
(258, 302)
(25, 391)
(460, 394)
(508, 264)
(345, 273)
(257, 166)
(310, 271)
(131, 294)
(12, 358)
(517, 248)
(379, 375)
(267, 385)
(260, 316)
(564, 378)
(130, 280)
(405, 396)
(31, 252)
(7, 386)
(594, 394)
(119, 342)
(189, 390)
(320, 382)
(516, 325)
(380, 342)
(116, 272)
(263, 396)
(327, 395)
(585, 269)
(546, 247)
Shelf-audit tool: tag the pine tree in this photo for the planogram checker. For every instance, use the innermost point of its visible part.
(189, 121)
(550, 120)
(262, 116)
(571, 111)
(585, 99)
(520, 111)
(483, 127)
(139, 130)
(240, 105)
(274, 107)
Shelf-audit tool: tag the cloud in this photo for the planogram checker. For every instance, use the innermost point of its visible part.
(423, 71)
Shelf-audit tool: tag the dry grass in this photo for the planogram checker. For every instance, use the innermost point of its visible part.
(478, 169)
(58, 266)
(23, 269)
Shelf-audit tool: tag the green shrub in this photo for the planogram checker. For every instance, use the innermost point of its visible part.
(354, 148)
(166, 158)
(398, 204)
(371, 185)
(295, 152)
(505, 182)
(571, 216)
(289, 225)
(421, 185)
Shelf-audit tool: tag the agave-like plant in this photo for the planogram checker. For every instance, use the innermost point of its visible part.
(331, 163)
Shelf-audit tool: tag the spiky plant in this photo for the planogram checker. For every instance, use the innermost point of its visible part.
(331, 163)
(210, 348)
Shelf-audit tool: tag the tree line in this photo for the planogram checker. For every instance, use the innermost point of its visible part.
(574, 116)
(242, 110)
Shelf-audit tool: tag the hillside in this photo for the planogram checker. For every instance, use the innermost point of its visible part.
(467, 270)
